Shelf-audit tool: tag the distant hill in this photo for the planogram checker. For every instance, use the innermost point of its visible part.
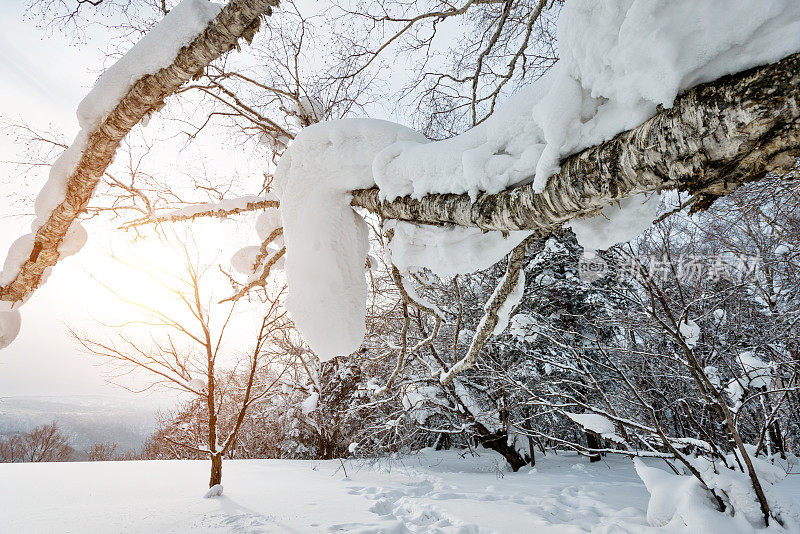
(86, 419)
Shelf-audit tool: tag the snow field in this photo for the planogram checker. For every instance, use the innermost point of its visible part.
(429, 492)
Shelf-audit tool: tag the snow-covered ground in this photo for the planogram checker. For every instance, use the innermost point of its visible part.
(426, 492)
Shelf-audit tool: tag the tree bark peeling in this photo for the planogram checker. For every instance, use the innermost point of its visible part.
(716, 137)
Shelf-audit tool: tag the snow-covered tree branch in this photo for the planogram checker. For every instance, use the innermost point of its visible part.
(713, 139)
(188, 40)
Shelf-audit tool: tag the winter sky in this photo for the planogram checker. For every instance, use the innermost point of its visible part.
(43, 77)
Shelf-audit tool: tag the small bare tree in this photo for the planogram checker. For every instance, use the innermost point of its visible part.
(102, 452)
(188, 355)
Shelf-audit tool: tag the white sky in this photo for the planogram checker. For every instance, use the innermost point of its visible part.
(43, 77)
(42, 80)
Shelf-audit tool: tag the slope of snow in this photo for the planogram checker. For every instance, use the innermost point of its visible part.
(674, 499)
(620, 60)
(430, 492)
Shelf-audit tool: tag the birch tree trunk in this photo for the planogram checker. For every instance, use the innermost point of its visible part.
(716, 137)
(238, 19)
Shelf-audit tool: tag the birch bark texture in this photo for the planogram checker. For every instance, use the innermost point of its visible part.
(716, 137)
(238, 19)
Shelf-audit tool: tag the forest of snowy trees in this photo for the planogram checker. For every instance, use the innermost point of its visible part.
(526, 332)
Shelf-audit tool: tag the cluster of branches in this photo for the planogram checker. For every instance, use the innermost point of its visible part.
(433, 371)
(48, 443)
(684, 348)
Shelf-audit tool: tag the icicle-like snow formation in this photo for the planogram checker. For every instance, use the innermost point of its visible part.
(620, 59)
(448, 251)
(616, 223)
(326, 241)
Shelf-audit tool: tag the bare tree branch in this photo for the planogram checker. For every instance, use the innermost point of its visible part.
(239, 19)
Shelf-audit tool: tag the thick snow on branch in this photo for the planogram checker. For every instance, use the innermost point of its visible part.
(596, 423)
(156, 50)
(620, 60)
(221, 209)
(152, 53)
(182, 45)
(757, 373)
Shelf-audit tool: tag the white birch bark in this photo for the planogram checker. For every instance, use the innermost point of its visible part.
(238, 19)
(716, 137)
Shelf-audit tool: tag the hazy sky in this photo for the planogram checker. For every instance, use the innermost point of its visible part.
(41, 81)
(43, 77)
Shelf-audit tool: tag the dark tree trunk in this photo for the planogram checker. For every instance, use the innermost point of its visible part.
(442, 441)
(498, 442)
(326, 448)
(776, 438)
(532, 453)
(593, 442)
(216, 470)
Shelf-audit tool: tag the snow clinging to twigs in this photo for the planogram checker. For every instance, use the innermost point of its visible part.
(690, 332)
(156, 50)
(620, 59)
